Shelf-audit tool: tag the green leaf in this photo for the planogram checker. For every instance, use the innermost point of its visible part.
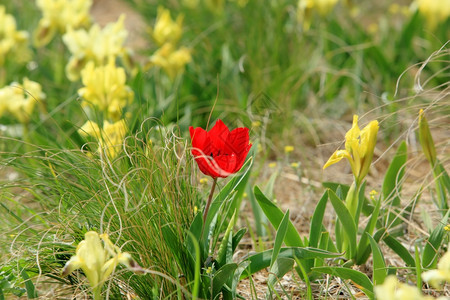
(237, 237)
(379, 266)
(281, 266)
(316, 227)
(221, 276)
(29, 286)
(434, 242)
(238, 183)
(262, 260)
(275, 215)
(225, 254)
(393, 179)
(364, 241)
(400, 250)
(334, 186)
(346, 220)
(357, 277)
(279, 238)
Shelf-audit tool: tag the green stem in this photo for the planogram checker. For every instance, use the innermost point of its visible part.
(351, 201)
(97, 292)
(208, 203)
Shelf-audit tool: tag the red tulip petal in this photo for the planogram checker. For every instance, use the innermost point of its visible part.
(237, 141)
(206, 165)
(198, 137)
(218, 136)
(225, 164)
(241, 158)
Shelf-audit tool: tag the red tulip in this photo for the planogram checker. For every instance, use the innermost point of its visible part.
(219, 152)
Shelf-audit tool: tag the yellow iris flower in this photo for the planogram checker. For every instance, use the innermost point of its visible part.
(359, 148)
(434, 11)
(392, 289)
(110, 137)
(306, 8)
(19, 100)
(12, 42)
(170, 60)
(57, 15)
(105, 89)
(166, 30)
(96, 44)
(97, 256)
(441, 274)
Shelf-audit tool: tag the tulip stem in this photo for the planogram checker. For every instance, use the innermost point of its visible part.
(208, 203)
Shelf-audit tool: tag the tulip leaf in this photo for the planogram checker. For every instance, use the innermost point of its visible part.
(346, 220)
(225, 250)
(262, 260)
(237, 238)
(357, 277)
(221, 277)
(379, 266)
(275, 215)
(236, 183)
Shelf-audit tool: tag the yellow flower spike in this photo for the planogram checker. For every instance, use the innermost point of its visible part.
(372, 194)
(434, 11)
(439, 275)
(288, 149)
(20, 99)
(425, 139)
(13, 43)
(105, 89)
(96, 45)
(166, 30)
(359, 148)
(110, 138)
(447, 227)
(392, 289)
(57, 15)
(170, 60)
(97, 256)
(306, 9)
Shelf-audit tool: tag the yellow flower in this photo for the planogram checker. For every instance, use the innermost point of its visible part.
(170, 60)
(13, 43)
(295, 165)
(203, 180)
(372, 194)
(57, 15)
(105, 89)
(306, 8)
(392, 289)
(288, 149)
(434, 11)
(166, 30)
(359, 148)
(97, 256)
(110, 137)
(215, 6)
(272, 165)
(441, 274)
(97, 45)
(20, 99)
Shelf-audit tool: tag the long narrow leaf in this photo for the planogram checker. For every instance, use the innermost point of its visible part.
(357, 277)
(346, 220)
(275, 215)
(379, 266)
(316, 221)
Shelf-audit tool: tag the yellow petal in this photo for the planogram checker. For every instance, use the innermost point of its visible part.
(336, 157)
